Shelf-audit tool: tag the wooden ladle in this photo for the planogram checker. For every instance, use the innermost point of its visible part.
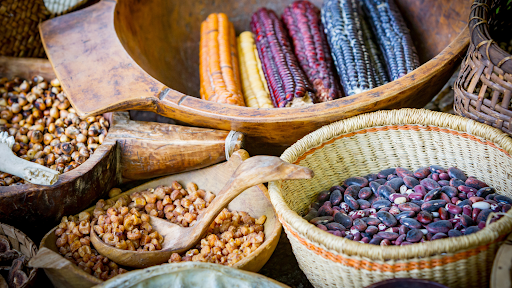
(253, 171)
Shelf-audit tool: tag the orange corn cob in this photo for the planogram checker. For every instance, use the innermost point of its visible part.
(219, 74)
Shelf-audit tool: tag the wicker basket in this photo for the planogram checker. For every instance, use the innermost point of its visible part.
(19, 241)
(367, 144)
(483, 89)
(19, 20)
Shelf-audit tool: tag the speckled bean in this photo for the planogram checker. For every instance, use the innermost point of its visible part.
(325, 211)
(386, 218)
(321, 226)
(443, 183)
(433, 205)
(336, 233)
(409, 206)
(443, 213)
(398, 198)
(442, 226)
(370, 221)
(410, 182)
(385, 191)
(420, 189)
(483, 192)
(359, 181)
(411, 223)
(503, 199)
(352, 190)
(464, 203)
(384, 173)
(360, 225)
(483, 215)
(454, 233)
(388, 235)
(439, 236)
(351, 202)
(424, 217)
(481, 225)
(454, 209)
(422, 172)
(321, 220)
(343, 220)
(466, 189)
(466, 221)
(471, 230)
(454, 182)
(371, 177)
(336, 197)
(416, 196)
(435, 176)
(506, 208)
(429, 184)
(475, 183)
(395, 183)
(405, 214)
(414, 235)
(374, 186)
(445, 198)
(365, 193)
(432, 195)
(450, 191)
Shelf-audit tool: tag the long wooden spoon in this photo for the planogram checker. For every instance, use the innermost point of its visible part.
(253, 171)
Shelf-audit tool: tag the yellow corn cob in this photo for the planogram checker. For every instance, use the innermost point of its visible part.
(254, 85)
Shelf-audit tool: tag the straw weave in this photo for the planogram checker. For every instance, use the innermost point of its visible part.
(19, 241)
(371, 142)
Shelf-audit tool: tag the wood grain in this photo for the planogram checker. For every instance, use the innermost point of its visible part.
(132, 61)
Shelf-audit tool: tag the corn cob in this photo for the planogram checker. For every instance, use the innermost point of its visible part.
(305, 28)
(393, 37)
(343, 28)
(218, 65)
(254, 85)
(376, 58)
(288, 84)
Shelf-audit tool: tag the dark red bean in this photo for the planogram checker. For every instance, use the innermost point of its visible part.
(388, 235)
(435, 177)
(483, 215)
(392, 176)
(349, 237)
(359, 181)
(343, 220)
(321, 226)
(475, 199)
(428, 236)
(450, 191)
(415, 196)
(433, 205)
(405, 243)
(403, 172)
(384, 173)
(335, 226)
(454, 233)
(414, 235)
(356, 214)
(385, 191)
(336, 233)
(443, 214)
(455, 172)
(437, 169)
(458, 226)
(455, 200)
(400, 239)
(325, 211)
(351, 202)
(403, 230)
(467, 210)
(466, 221)
(372, 230)
(471, 230)
(365, 193)
(321, 220)
(410, 223)
(422, 172)
(410, 182)
(442, 226)
(386, 218)
(344, 207)
(352, 190)
(475, 183)
(481, 225)
(471, 194)
(405, 214)
(363, 204)
(365, 240)
(503, 199)
(433, 195)
(420, 189)
(454, 209)
(444, 176)
(490, 196)
(439, 236)
(474, 214)
(385, 242)
(506, 208)
(360, 225)
(409, 206)
(374, 186)
(462, 196)
(336, 197)
(445, 198)
(429, 184)
(483, 192)
(456, 182)
(358, 236)
(466, 189)
(323, 196)
(395, 183)
(370, 221)
(376, 240)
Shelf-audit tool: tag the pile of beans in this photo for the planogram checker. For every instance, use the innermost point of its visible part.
(75, 245)
(46, 128)
(401, 207)
(125, 224)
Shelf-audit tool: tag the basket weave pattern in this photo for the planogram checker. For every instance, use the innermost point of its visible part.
(19, 241)
(483, 89)
(367, 144)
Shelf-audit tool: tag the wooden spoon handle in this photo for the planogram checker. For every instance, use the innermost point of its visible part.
(150, 149)
(253, 171)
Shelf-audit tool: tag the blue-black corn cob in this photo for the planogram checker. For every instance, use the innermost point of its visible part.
(288, 85)
(376, 57)
(342, 22)
(302, 19)
(393, 37)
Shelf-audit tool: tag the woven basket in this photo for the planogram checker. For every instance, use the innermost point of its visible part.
(367, 144)
(483, 89)
(19, 241)
(19, 20)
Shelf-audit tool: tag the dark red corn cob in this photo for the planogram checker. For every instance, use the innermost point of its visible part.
(310, 45)
(288, 84)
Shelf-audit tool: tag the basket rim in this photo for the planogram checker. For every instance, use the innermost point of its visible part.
(481, 38)
(404, 117)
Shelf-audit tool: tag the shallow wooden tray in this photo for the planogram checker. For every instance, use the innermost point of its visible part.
(132, 150)
(150, 50)
(253, 201)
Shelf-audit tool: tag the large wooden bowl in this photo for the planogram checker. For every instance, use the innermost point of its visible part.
(150, 50)
(253, 201)
(132, 150)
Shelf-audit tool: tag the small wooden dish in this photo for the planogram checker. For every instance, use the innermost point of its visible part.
(254, 201)
(133, 150)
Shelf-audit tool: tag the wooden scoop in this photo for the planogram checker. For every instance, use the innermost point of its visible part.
(253, 171)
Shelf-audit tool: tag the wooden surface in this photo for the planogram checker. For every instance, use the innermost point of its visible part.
(132, 149)
(253, 201)
(132, 61)
(177, 239)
